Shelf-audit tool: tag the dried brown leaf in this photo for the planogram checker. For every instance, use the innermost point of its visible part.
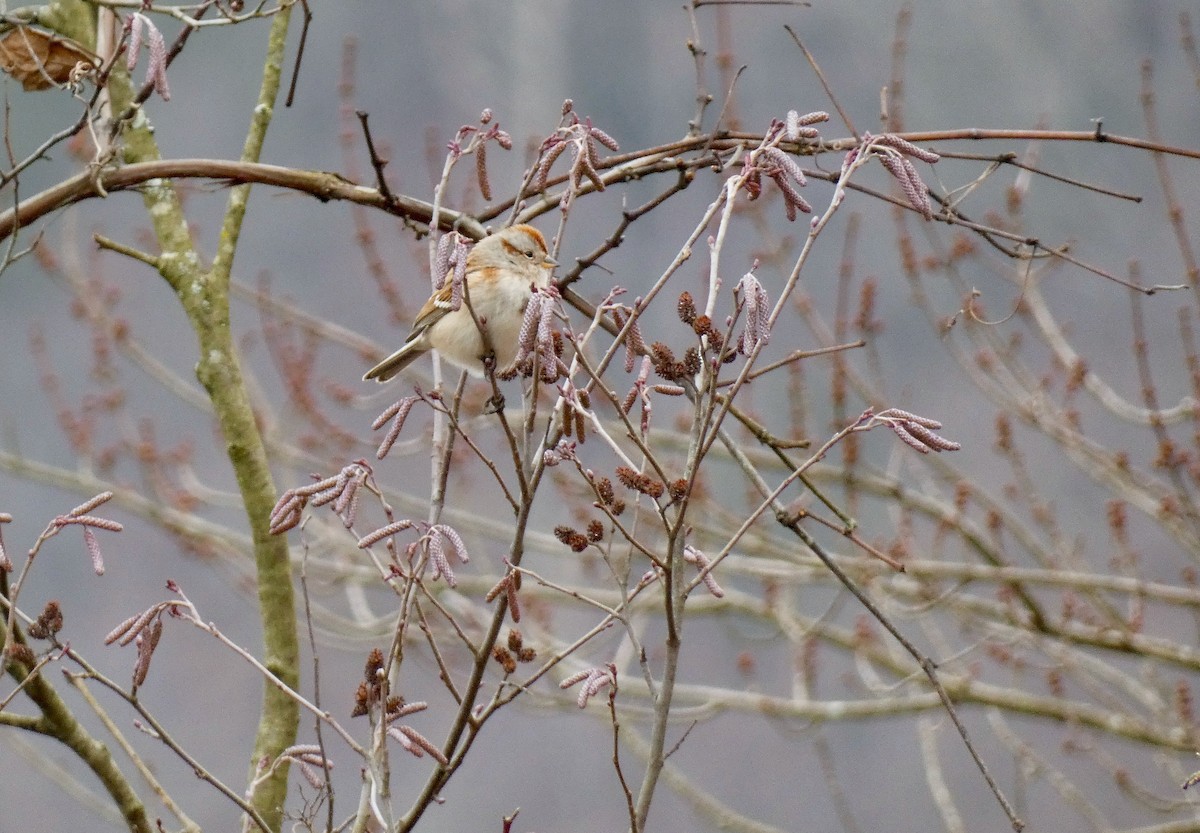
(41, 60)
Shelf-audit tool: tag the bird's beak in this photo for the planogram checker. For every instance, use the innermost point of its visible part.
(549, 261)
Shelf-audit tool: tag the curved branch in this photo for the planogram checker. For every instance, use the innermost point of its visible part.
(320, 184)
(327, 186)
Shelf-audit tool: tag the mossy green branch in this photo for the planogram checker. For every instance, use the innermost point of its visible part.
(74, 19)
(221, 376)
(204, 294)
(56, 720)
(235, 209)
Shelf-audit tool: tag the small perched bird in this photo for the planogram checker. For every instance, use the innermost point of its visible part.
(501, 271)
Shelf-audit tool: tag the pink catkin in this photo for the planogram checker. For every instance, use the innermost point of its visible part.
(93, 548)
(157, 68)
(137, 23)
(84, 508)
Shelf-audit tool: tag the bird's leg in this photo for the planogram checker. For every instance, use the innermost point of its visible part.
(496, 403)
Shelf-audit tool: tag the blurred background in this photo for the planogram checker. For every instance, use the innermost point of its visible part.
(423, 70)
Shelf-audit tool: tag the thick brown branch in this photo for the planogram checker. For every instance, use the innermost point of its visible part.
(322, 185)
(330, 186)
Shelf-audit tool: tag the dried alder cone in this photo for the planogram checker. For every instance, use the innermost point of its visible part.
(40, 60)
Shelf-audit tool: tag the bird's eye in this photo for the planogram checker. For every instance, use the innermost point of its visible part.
(529, 253)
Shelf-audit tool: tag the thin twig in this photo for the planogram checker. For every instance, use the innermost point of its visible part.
(291, 96)
(927, 665)
(316, 665)
(163, 735)
(377, 162)
(808, 56)
(616, 754)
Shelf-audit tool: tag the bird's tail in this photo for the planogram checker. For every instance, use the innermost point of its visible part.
(394, 363)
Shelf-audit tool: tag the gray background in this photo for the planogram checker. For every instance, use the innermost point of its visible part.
(425, 69)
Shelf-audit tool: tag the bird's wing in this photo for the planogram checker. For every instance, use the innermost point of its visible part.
(435, 310)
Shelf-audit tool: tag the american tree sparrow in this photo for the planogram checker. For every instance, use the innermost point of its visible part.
(501, 272)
